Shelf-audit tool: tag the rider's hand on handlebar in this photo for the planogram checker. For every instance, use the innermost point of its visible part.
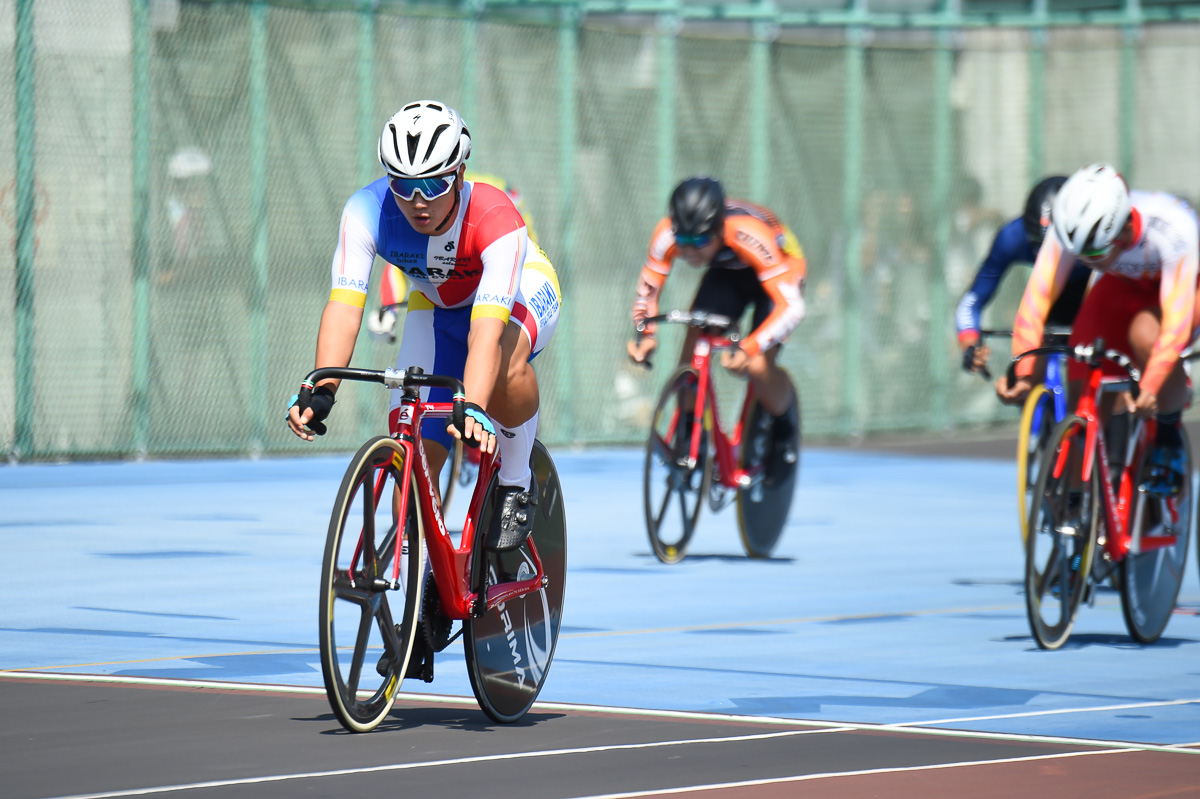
(381, 324)
(477, 431)
(1014, 395)
(736, 361)
(308, 423)
(639, 351)
(975, 357)
(1145, 406)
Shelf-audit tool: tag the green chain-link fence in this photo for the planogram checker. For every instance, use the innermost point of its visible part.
(177, 172)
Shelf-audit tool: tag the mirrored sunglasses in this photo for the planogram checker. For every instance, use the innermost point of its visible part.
(684, 240)
(1097, 254)
(430, 188)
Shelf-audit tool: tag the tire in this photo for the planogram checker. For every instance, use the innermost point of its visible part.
(367, 628)
(1039, 410)
(509, 649)
(763, 506)
(1150, 580)
(1061, 545)
(674, 490)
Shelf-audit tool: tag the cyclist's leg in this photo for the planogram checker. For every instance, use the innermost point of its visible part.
(1168, 461)
(515, 401)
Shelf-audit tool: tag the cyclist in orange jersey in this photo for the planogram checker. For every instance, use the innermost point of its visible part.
(749, 258)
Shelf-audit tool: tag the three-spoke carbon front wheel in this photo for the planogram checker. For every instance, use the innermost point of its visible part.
(675, 483)
(1152, 571)
(367, 619)
(1063, 523)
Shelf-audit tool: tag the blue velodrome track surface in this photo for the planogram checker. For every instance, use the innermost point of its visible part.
(894, 597)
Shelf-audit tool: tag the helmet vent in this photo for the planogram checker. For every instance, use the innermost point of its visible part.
(433, 139)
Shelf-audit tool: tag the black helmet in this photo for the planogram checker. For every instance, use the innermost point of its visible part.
(697, 207)
(1037, 208)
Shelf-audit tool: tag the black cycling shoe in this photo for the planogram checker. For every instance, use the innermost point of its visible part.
(513, 519)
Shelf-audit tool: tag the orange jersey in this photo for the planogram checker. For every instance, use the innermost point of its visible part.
(1166, 232)
(753, 239)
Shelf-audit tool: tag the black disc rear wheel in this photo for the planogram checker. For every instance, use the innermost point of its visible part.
(1150, 579)
(509, 649)
(764, 505)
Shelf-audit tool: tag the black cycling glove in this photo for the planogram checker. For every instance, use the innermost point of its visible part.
(320, 404)
(479, 415)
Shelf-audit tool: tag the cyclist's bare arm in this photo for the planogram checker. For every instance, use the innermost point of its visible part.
(480, 374)
(335, 346)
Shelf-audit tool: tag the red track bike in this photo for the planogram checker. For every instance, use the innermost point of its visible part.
(1092, 519)
(690, 457)
(395, 582)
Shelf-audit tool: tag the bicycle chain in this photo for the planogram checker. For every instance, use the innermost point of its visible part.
(437, 625)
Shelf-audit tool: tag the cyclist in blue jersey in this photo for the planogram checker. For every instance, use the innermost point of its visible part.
(482, 304)
(1018, 240)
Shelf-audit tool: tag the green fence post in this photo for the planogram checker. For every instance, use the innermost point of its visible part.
(854, 405)
(943, 159)
(26, 99)
(668, 53)
(760, 94)
(367, 146)
(259, 115)
(1130, 36)
(141, 225)
(1037, 82)
(565, 261)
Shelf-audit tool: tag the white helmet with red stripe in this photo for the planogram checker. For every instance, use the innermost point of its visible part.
(424, 139)
(1091, 209)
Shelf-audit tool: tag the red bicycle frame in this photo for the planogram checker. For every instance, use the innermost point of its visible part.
(731, 475)
(451, 564)
(1117, 505)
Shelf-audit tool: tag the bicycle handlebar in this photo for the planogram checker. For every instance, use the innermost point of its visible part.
(1091, 354)
(413, 377)
(693, 319)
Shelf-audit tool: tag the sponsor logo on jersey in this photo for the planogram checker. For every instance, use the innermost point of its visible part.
(755, 244)
(544, 302)
(492, 299)
(350, 283)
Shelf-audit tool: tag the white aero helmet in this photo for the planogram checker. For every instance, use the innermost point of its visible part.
(1090, 210)
(424, 139)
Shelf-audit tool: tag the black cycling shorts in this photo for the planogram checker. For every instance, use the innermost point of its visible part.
(729, 291)
(1066, 307)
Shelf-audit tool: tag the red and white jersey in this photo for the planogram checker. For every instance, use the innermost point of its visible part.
(477, 261)
(1167, 249)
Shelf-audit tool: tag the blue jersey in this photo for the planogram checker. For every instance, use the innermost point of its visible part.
(1009, 247)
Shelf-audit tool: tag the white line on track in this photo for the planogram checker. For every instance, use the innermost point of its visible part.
(457, 761)
(834, 774)
(1053, 712)
(685, 715)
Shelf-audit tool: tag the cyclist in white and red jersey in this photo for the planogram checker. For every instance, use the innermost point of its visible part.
(749, 258)
(479, 309)
(393, 285)
(1145, 302)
